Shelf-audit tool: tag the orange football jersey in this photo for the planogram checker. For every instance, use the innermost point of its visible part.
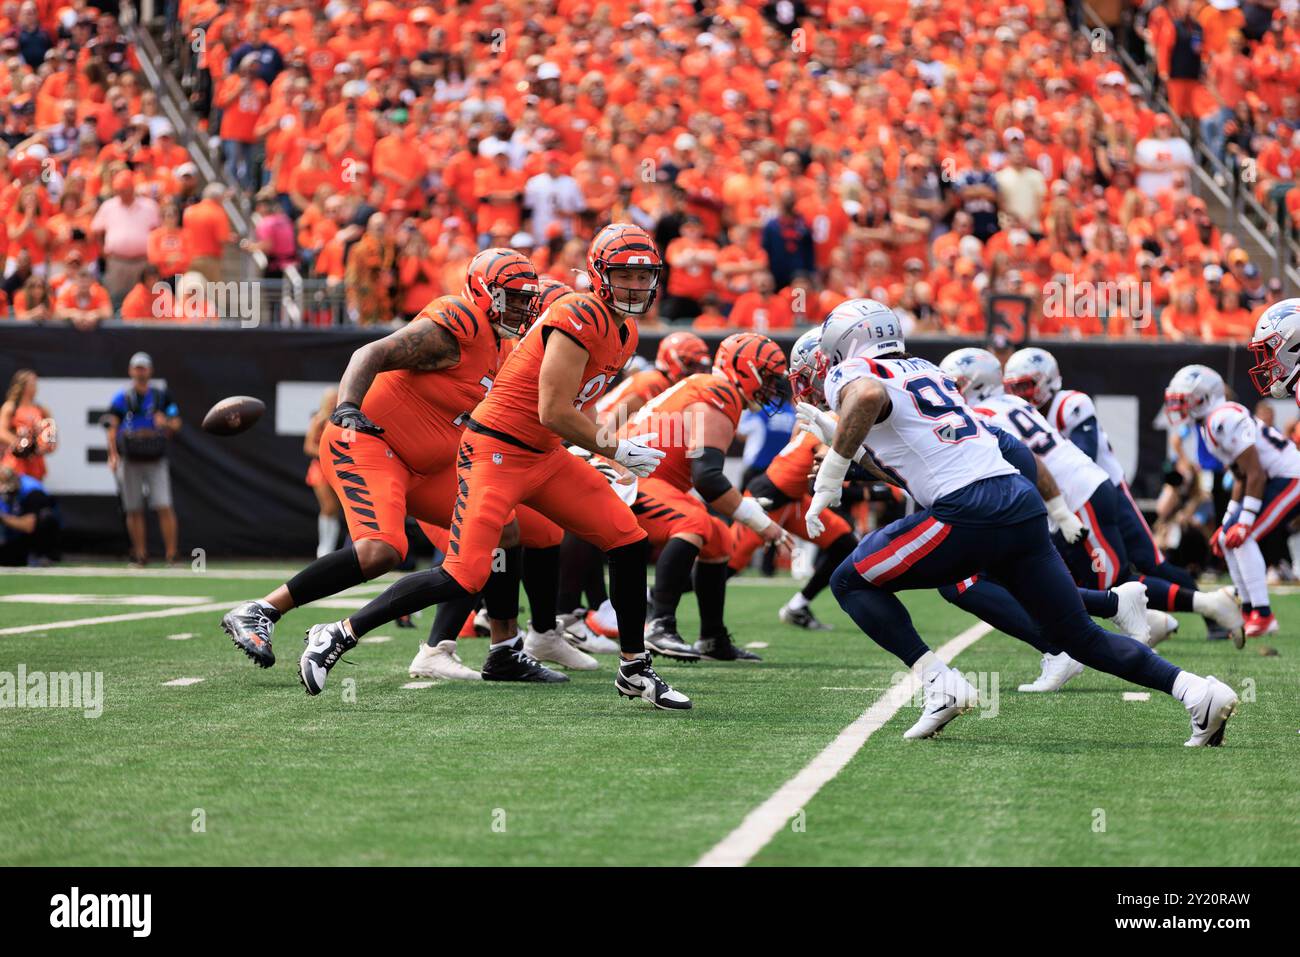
(647, 384)
(666, 415)
(790, 468)
(422, 413)
(510, 409)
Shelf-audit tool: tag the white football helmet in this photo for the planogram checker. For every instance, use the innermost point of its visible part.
(977, 372)
(860, 327)
(807, 369)
(1192, 394)
(1033, 375)
(1276, 347)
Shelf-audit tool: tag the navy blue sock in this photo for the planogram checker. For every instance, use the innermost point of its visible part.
(1175, 574)
(1100, 604)
(1264, 610)
(990, 602)
(1164, 595)
(880, 615)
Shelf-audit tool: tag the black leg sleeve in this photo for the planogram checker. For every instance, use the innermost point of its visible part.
(449, 617)
(542, 583)
(627, 578)
(501, 593)
(711, 596)
(672, 575)
(411, 594)
(326, 576)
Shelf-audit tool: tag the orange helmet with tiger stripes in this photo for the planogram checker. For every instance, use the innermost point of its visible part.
(682, 354)
(551, 290)
(630, 250)
(755, 365)
(504, 285)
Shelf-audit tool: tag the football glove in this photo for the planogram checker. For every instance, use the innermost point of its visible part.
(349, 416)
(827, 490)
(1216, 542)
(816, 422)
(1236, 536)
(638, 458)
(1071, 528)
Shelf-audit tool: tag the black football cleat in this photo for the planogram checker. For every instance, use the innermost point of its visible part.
(326, 644)
(722, 648)
(250, 629)
(403, 621)
(661, 637)
(511, 663)
(802, 618)
(637, 679)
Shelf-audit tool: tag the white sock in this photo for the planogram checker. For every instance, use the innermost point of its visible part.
(508, 643)
(1254, 573)
(928, 665)
(798, 602)
(1293, 547)
(1189, 688)
(327, 534)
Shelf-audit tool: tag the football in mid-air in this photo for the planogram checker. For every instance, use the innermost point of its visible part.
(233, 415)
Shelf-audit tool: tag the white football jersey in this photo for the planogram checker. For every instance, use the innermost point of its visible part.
(1230, 429)
(1077, 475)
(931, 441)
(1067, 411)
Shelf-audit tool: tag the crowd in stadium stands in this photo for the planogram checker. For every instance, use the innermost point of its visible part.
(786, 155)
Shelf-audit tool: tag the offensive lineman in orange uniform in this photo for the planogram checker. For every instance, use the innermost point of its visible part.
(680, 354)
(512, 453)
(420, 382)
(694, 423)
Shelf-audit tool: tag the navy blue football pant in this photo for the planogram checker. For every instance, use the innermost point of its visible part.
(989, 601)
(1101, 559)
(1141, 546)
(921, 551)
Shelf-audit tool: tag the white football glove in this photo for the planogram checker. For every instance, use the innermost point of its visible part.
(816, 422)
(827, 490)
(638, 458)
(1065, 519)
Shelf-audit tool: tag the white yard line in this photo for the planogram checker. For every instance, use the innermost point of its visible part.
(764, 822)
(111, 619)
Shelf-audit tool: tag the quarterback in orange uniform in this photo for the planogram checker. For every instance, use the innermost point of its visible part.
(390, 447)
(694, 423)
(512, 453)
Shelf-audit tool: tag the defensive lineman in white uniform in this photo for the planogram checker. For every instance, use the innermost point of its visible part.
(906, 418)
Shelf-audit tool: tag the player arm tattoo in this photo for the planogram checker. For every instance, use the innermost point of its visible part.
(420, 347)
(861, 403)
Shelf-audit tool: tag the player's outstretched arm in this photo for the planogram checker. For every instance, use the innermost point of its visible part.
(420, 347)
(710, 435)
(558, 386)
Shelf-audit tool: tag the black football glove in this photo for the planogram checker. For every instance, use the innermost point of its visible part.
(348, 416)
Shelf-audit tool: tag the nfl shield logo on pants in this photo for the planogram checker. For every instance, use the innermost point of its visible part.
(496, 458)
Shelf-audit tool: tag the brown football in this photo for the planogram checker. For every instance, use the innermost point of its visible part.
(233, 415)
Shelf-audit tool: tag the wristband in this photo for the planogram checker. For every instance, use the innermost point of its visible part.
(831, 474)
(750, 513)
(1250, 507)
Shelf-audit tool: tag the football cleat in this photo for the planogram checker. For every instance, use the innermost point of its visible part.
(802, 618)
(552, 646)
(661, 637)
(250, 629)
(507, 662)
(637, 679)
(1057, 670)
(1257, 625)
(1221, 607)
(482, 623)
(578, 633)
(1132, 615)
(1163, 625)
(604, 621)
(441, 661)
(1210, 715)
(404, 621)
(325, 646)
(722, 648)
(946, 695)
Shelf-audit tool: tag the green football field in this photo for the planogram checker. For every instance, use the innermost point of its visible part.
(241, 767)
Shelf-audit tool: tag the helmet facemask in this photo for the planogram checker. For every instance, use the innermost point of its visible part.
(513, 310)
(636, 294)
(1024, 386)
(1269, 375)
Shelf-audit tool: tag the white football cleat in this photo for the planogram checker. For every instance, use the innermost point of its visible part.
(441, 661)
(1210, 715)
(637, 679)
(1057, 670)
(482, 623)
(1221, 607)
(603, 621)
(1132, 615)
(574, 628)
(551, 646)
(1163, 625)
(947, 694)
